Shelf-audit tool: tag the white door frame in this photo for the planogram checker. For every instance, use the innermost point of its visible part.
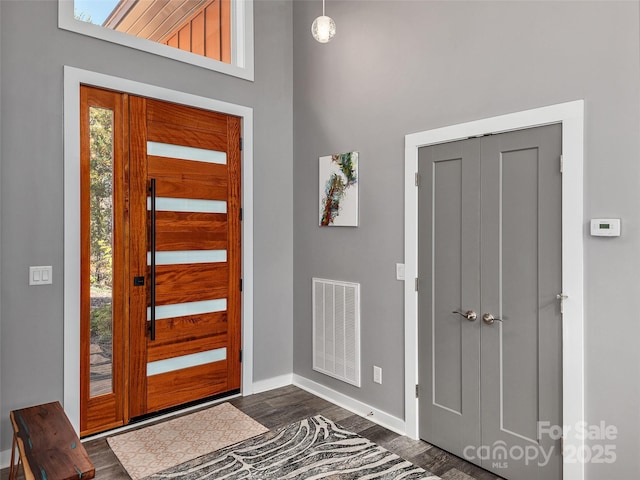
(73, 78)
(571, 116)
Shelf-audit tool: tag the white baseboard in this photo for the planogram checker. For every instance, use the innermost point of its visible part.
(272, 383)
(394, 424)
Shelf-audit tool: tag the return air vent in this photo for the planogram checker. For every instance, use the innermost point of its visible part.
(336, 329)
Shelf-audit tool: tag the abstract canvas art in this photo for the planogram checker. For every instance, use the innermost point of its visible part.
(339, 190)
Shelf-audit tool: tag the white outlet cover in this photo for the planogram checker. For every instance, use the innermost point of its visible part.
(400, 271)
(377, 374)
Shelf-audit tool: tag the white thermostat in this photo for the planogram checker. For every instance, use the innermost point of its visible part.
(605, 227)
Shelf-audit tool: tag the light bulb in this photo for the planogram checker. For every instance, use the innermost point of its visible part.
(323, 29)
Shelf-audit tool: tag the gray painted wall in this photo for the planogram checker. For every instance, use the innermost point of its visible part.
(394, 68)
(34, 52)
(0, 213)
(399, 67)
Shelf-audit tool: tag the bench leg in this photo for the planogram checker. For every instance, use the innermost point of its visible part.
(12, 468)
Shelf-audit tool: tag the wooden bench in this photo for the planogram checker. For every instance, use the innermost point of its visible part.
(48, 447)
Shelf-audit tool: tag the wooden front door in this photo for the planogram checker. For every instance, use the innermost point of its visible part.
(172, 188)
(185, 243)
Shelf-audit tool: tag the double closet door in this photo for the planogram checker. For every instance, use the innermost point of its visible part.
(490, 325)
(160, 279)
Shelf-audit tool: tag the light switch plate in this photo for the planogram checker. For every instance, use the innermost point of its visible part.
(41, 275)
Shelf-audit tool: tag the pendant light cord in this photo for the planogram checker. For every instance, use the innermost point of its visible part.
(323, 8)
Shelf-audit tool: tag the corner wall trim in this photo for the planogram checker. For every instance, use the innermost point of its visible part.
(383, 419)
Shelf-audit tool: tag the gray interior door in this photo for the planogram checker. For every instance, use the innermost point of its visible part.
(490, 242)
(449, 256)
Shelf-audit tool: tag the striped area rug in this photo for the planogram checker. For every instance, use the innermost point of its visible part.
(314, 448)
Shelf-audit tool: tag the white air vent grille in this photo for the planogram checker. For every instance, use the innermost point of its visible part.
(336, 329)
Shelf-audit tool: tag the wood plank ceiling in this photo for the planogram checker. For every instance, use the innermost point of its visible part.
(152, 19)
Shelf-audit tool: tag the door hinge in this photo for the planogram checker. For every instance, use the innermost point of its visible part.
(416, 284)
(562, 297)
(562, 446)
(241, 213)
(241, 143)
(417, 179)
(240, 355)
(241, 285)
(417, 391)
(561, 164)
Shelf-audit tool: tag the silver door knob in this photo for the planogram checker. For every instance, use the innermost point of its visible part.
(469, 315)
(489, 319)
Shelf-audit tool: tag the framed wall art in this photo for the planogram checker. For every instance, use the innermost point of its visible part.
(339, 190)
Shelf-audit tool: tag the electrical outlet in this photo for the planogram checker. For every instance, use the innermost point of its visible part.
(400, 271)
(377, 374)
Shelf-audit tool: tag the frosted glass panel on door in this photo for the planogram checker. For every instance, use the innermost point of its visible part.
(164, 204)
(189, 308)
(186, 153)
(186, 361)
(181, 257)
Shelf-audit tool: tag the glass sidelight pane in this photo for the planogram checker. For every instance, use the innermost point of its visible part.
(101, 251)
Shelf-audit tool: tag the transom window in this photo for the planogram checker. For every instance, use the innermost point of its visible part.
(214, 34)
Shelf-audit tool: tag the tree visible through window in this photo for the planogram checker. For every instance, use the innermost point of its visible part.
(101, 241)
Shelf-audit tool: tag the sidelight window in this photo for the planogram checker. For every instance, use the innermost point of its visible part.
(101, 249)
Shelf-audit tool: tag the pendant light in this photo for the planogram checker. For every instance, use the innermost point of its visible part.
(323, 28)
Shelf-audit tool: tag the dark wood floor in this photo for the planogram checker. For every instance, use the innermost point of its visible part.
(277, 408)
